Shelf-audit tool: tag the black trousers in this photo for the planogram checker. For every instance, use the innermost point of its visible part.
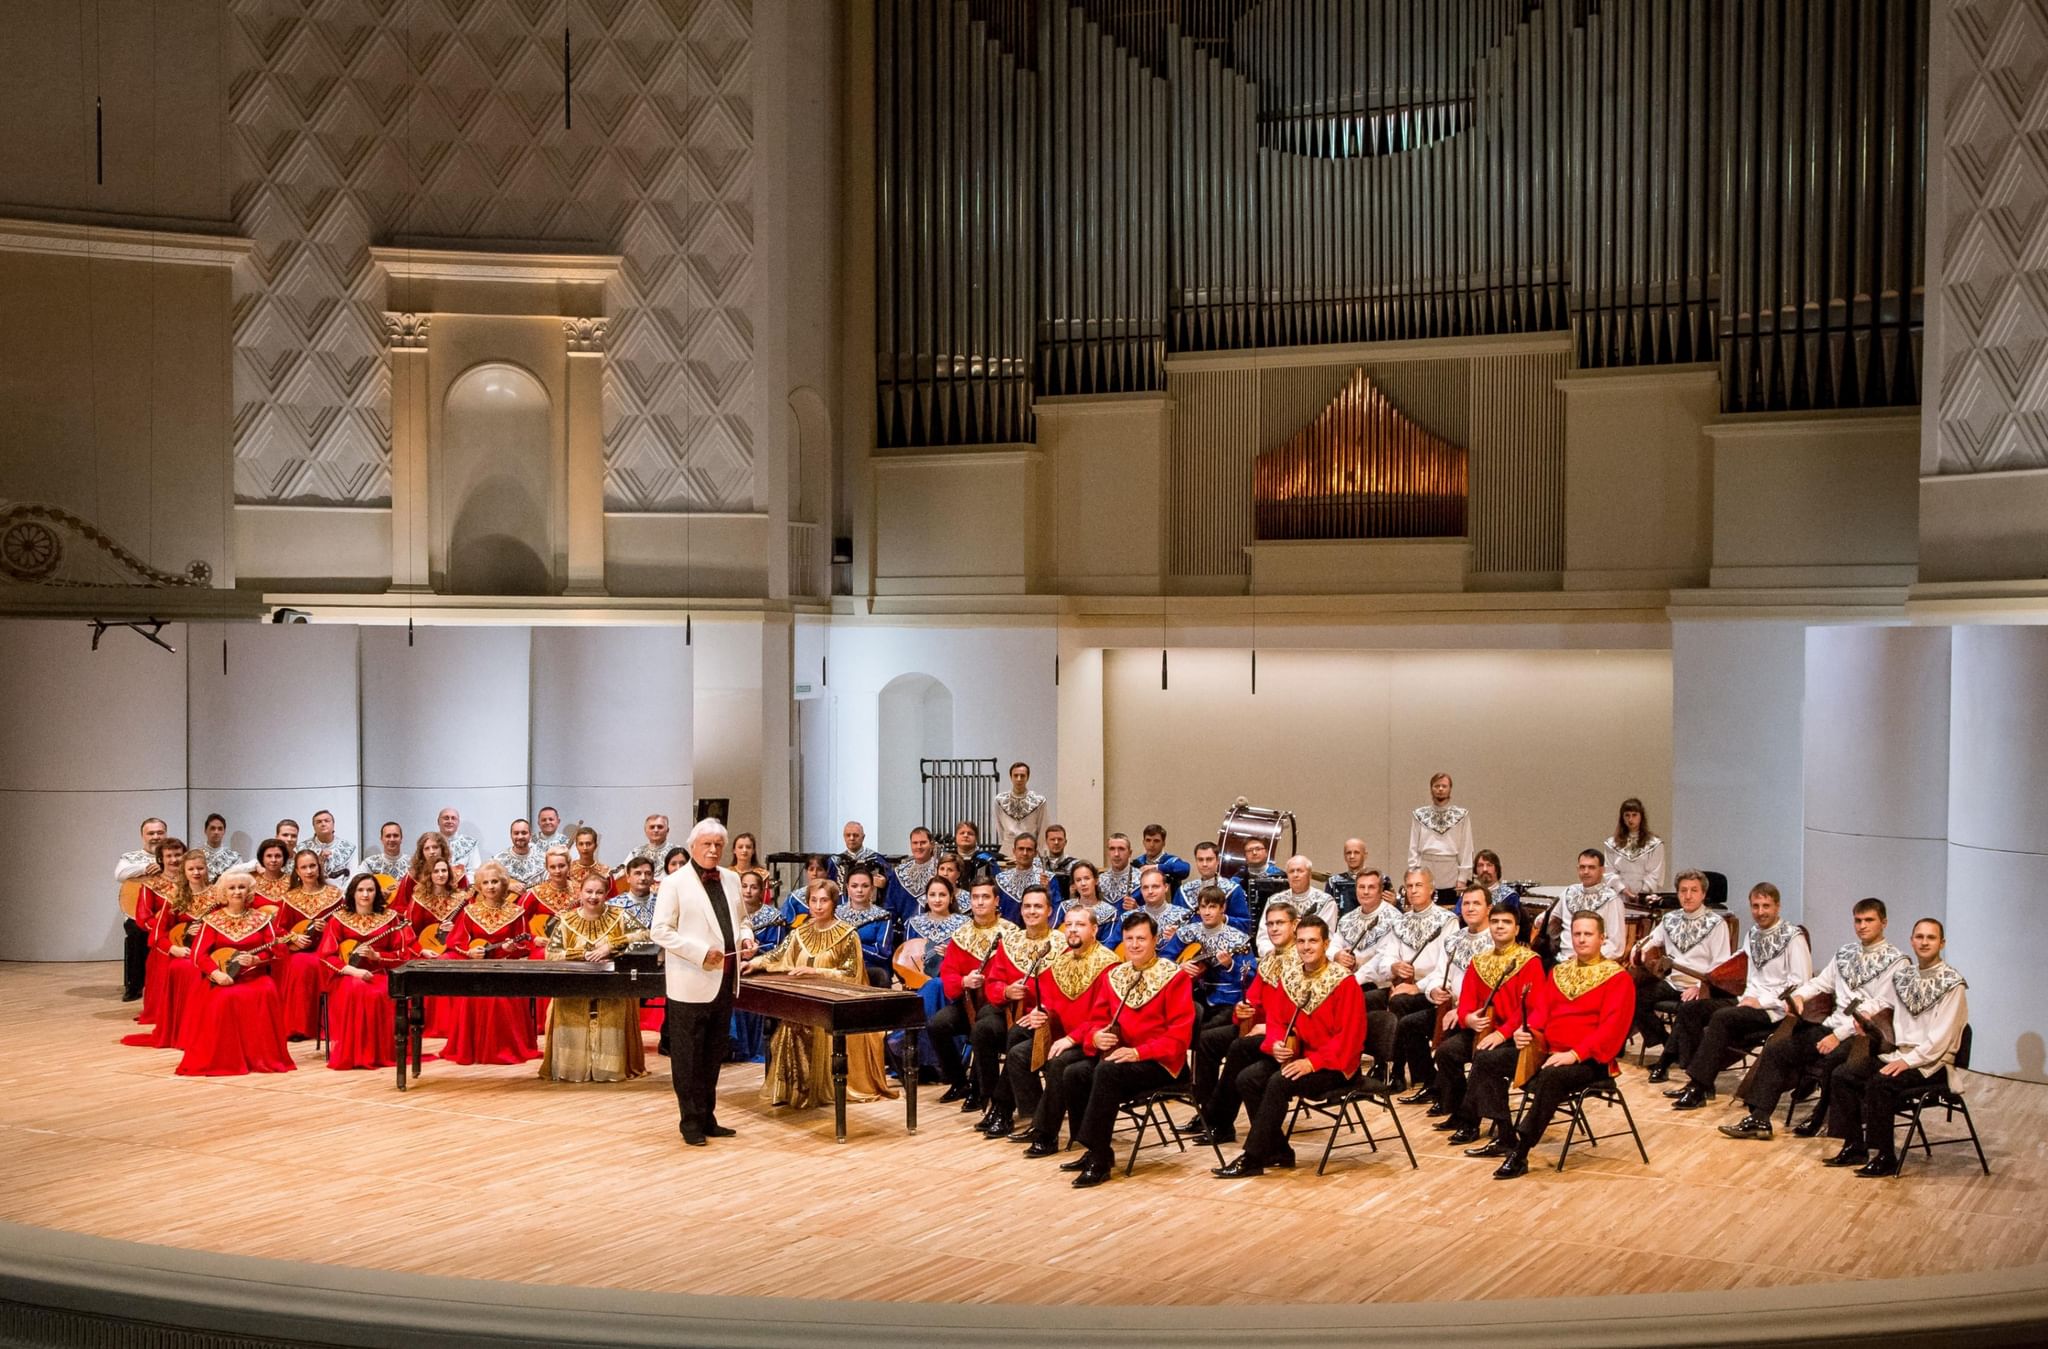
(946, 1026)
(990, 1036)
(1383, 1039)
(696, 1033)
(1783, 1061)
(1064, 1083)
(1689, 1023)
(1212, 1045)
(1009, 1066)
(1547, 1090)
(1112, 1084)
(1412, 1037)
(1486, 1094)
(1863, 1103)
(1720, 1031)
(1252, 1078)
(1453, 1057)
(134, 957)
(1652, 993)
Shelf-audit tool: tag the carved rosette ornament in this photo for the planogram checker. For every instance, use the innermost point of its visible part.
(584, 334)
(407, 332)
(32, 551)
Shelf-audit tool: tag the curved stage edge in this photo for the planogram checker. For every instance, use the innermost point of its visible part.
(62, 1288)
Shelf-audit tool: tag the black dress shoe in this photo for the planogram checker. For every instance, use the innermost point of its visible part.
(135, 996)
(1516, 1163)
(1809, 1127)
(1878, 1166)
(719, 1131)
(971, 1102)
(998, 1125)
(1091, 1175)
(1464, 1134)
(1284, 1162)
(1075, 1163)
(1437, 1110)
(694, 1140)
(1197, 1125)
(953, 1093)
(1498, 1147)
(1850, 1155)
(1446, 1124)
(1040, 1148)
(1023, 1133)
(1692, 1098)
(1423, 1096)
(1749, 1126)
(1239, 1169)
(1659, 1075)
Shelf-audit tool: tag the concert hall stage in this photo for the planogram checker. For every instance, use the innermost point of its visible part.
(491, 1174)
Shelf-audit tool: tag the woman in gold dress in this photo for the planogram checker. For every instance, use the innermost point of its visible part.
(593, 1039)
(800, 1057)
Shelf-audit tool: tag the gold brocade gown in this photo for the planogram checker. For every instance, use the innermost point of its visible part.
(800, 1057)
(592, 1039)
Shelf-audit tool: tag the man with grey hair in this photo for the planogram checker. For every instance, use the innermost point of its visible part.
(699, 921)
(1303, 896)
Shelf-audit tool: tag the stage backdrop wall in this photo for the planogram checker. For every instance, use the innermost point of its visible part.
(612, 730)
(1542, 746)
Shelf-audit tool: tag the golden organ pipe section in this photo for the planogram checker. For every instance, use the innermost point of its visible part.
(1361, 470)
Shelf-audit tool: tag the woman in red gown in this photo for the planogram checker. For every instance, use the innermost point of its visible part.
(359, 1011)
(430, 849)
(302, 977)
(492, 926)
(235, 1025)
(554, 895)
(156, 885)
(173, 927)
(430, 908)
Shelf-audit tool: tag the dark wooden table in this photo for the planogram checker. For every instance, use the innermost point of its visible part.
(629, 975)
(841, 1009)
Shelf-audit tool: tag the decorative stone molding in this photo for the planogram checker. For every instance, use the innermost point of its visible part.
(584, 334)
(406, 331)
(125, 244)
(32, 552)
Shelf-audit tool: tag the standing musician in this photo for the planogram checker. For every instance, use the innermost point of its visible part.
(1019, 810)
(141, 864)
(1582, 1016)
(1306, 1032)
(1930, 1011)
(966, 849)
(1491, 1004)
(1858, 979)
(585, 862)
(1364, 943)
(1692, 940)
(1215, 1040)
(970, 995)
(1416, 1036)
(1021, 959)
(1595, 892)
(1142, 1047)
(1418, 955)
(1710, 1035)
(1237, 909)
(1075, 1007)
(1258, 860)
(1440, 839)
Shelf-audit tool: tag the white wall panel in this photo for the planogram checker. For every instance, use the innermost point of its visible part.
(612, 728)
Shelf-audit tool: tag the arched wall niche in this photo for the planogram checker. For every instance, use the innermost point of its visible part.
(498, 468)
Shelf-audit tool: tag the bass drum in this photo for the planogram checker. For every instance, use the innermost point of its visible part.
(1244, 822)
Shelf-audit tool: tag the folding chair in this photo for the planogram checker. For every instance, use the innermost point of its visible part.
(1938, 1093)
(1344, 1107)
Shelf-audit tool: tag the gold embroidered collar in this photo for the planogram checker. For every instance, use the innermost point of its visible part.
(313, 904)
(1575, 980)
(442, 907)
(1136, 987)
(1075, 972)
(821, 939)
(553, 897)
(608, 924)
(491, 917)
(363, 924)
(271, 889)
(1306, 990)
(976, 940)
(1273, 965)
(1495, 965)
(1029, 954)
(234, 927)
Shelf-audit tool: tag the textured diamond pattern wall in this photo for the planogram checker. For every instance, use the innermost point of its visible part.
(371, 121)
(1994, 378)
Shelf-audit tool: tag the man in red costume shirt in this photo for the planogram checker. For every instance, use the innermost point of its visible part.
(1583, 1013)
(1143, 1046)
(1498, 985)
(1308, 1030)
(1075, 1005)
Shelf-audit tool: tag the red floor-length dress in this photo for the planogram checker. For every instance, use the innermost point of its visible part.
(149, 905)
(301, 975)
(179, 981)
(489, 1030)
(425, 914)
(234, 1028)
(359, 1011)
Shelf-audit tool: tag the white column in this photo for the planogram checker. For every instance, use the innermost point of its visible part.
(585, 424)
(94, 741)
(411, 525)
(1998, 839)
(612, 730)
(1876, 734)
(1736, 690)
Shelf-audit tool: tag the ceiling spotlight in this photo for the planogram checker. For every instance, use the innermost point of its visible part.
(285, 615)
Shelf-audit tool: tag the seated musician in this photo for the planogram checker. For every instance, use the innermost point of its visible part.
(939, 921)
(271, 872)
(336, 854)
(800, 1057)
(1218, 956)
(1155, 901)
(234, 1026)
(854, 835)
(1215, 1039)
(1416, 1038)
(1417, 955)
(171, 988)
(548, 831)
(1307, 1027)
(1858, 978)
(873, 925)
(1237, 910)
(1117, 882)
(301, 917)
(1635, 856)
(1491, 1003)
(653, 847)
(1582, 1016)
(556, 894)
(796, 909)
(1019, 968)
(523, 862)
(966, 853)
(1084, 891)
(285, 833)
(748, 1041)
(153, 887)
(1343, 885)
(915, 872)
(1364, 938)
(764, 918)
(388, 863)
(673, 860)
(432, 905)
(637, 899)
(1713, 1033)
(1054, 853)
(1595, 892)
(1929, 1011)
(594, 1039)
(1175, 869)
(1486, 870)
(964, 976)
(359, 1011)
(585, 861)
(949, 867)
(1670, 965)
(1304, 897)
(1023, 872)
(429, 849)
(141, 864)
(462, 850)
(1142, 1046)
(1072, 1008)
(220, 858)
(1258, 860)
(491, 926)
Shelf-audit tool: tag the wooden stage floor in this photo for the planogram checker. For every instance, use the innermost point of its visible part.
(490, 1173)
